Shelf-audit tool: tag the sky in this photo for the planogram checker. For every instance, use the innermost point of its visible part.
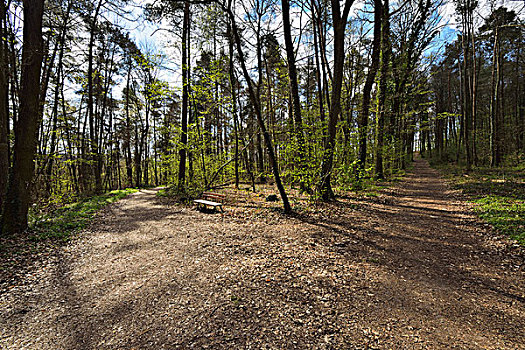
(147, 34)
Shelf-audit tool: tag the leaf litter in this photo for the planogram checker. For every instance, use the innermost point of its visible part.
(410, 268)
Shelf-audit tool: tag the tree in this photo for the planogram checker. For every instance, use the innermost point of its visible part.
(367, 89)
(296, 102)
(339, 20)
(382, 86)
(185, 91)
(14, 218)
(256, 106)
(4, 112)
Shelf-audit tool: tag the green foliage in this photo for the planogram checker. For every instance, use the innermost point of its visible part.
(498, 194)
(61, 223)
(185, 195)
(506, 214)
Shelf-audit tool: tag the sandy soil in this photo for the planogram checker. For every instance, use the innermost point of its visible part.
(410, 269)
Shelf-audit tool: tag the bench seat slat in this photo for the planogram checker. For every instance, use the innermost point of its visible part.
(214, 196)
(203, 201)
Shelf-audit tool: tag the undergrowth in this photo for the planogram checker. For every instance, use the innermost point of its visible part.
(174, 193)
(498, 194)
(60, 223)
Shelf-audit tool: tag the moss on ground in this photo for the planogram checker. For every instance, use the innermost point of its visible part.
(61, 223)
(498, 195)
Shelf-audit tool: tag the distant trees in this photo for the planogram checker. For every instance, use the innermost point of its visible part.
(477, 87)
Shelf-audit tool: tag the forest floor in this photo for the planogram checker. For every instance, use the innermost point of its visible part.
(411, 268)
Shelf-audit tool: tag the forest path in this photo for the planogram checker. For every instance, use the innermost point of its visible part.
(410, 269)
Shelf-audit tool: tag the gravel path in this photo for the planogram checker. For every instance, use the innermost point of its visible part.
(410, 269)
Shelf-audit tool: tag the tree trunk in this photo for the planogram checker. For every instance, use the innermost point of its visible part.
(127, 135)
(4, 110)
(233, 92)
(339, 23)
(467, 110)
(367, 89)
(385, 60)
(318, 68)
(92, 132)
(298, 121)
(18, 196)
(185, 81)
(256, 106)
(54, 113)
(494, 105)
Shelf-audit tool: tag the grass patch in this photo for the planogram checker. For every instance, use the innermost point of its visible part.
(498, 195)
(61, 223)
(506, 214)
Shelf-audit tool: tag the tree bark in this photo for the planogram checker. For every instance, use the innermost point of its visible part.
(233, 94)
(298, 121)
(54, 113)
(494, 104)
(4, 109)
(367, 89)
(385, 59)
(185, 81)
(127, 134)
(256, 106)
(14, 218)
(339, 22)
(97, 173)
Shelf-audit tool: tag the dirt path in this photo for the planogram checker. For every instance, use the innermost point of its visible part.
(411, 269)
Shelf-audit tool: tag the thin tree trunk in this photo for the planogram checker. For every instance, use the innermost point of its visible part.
(318, 68)
(298, 121)
(371, 75)
(185, 81)
(256, 106)
(494, 104)
(474, 96)
(4, 110)
(233, 92)
(92, 132)
(54, 113)
(385, 60)
(127, 135)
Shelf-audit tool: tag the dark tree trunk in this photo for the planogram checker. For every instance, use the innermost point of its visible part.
(18, 196)
(298, 121)
(367, 89)
(385, 60)
(137, 156)
(185, 81)
(339, 22)
(233, 91)
(255, 103)
(318, 68)
(54, 113)
(495, 120)
(127, 140)
(4, 109)
(97, 173)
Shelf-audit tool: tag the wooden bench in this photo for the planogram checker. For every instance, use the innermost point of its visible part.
(210, 199)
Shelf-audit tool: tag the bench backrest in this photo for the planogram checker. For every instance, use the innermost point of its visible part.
(214, 196)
